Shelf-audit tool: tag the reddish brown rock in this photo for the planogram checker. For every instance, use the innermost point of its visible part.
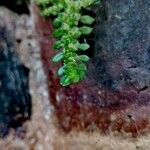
(95, 102)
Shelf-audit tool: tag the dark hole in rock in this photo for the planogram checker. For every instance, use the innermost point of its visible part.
(15, 100)
(20, 7)
(18, 41)
(143, 89)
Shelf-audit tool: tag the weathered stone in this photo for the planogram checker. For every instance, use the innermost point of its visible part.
(15, 102)
(115, 95)
(122, 44)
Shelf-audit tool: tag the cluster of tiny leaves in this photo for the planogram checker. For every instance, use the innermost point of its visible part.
(67, 15)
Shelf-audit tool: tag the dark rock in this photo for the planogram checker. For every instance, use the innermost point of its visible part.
(15, 101)
(122, 44)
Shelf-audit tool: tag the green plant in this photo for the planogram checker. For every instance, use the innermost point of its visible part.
(67, 32)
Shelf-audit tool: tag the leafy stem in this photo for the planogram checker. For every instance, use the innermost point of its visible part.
(67, 32)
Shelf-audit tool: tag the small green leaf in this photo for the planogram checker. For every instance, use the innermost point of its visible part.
(64, 81)
(43, 2)
(87, 19)
(83, 58)
(61, 71)
(58, 33)
(83, 46)
(60, 6)
(50, 10)
(82, 75)
(57, 22)
(77, 34)
(76, 78)
(86, 30)
(58, 57)
(72, 46)
(58, 45)
(97, 2)
(82, 67)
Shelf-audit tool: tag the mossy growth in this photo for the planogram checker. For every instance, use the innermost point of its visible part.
(68, 16)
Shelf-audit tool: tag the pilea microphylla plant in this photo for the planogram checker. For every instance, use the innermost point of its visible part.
(67, 14)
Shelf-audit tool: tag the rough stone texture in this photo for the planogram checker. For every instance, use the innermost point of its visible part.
(43, 132)
(115, 96)
(122, 44)
(15, 102)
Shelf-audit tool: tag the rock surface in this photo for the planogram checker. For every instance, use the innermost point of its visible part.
(43, 130)
(116, 95)
(15, 101)
(122, 44)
